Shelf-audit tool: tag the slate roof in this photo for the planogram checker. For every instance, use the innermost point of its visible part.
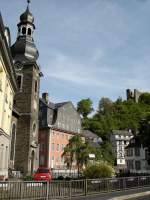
(122, 132)
(54, 105)
(58, 105)
(90, 135)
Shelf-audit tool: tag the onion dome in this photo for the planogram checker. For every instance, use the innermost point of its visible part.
(24, 47)
(27, 16)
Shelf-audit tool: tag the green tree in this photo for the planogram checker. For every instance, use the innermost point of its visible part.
(144, 131)
(145, 98)
(77, 150)
(105, 106)
(101, 170)
(85, 107)
(107, 152)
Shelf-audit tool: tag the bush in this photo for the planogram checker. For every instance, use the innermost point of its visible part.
(28, 178)
(68, 178)
(101, 170)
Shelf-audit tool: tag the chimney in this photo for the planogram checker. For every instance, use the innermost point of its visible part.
(45, 97)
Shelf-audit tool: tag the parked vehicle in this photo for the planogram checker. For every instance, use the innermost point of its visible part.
(43, 174)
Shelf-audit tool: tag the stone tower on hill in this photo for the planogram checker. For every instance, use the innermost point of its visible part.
(134, 95)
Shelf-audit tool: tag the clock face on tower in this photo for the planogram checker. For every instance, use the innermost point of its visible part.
(18, 66)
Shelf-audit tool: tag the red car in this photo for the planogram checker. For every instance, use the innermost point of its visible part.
(43, 174)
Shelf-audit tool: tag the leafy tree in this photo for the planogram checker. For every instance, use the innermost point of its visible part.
(107, 152)
(101, 170)
(105, 106)
(145, 98)
(85, 107)
(77, 150)
(144, 131)
(68, 155)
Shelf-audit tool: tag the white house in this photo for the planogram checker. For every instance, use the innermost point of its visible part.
(137, 157)
(120, 139)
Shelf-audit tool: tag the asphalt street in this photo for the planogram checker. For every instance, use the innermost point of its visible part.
(142, 198)
(108, 196)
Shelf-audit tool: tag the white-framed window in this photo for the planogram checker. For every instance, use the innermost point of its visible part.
(53, 158)
(2, 156)
(57, 147)
(137, 165)
(6, 157)
(53, 146)
(6, 98)
(0, 85)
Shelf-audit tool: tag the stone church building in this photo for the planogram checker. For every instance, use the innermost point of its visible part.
(26, 101)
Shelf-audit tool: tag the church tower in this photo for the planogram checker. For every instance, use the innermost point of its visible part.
(25, 55)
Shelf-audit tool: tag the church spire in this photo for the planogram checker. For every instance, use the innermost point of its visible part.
(25, 43)
(28, 1)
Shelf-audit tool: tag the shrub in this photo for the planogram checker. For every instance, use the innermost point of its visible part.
(101, 170)
(68, 178)
(28, 178)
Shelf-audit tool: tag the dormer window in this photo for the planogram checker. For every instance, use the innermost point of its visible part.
(24, 30)
(29, 31)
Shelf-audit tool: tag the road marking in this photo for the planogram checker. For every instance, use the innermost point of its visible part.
(125, 197)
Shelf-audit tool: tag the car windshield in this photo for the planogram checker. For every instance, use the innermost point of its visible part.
(43, 171)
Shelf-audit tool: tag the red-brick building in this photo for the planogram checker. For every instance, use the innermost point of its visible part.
(57, 124)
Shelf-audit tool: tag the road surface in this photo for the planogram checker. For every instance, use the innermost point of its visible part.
(116, 195)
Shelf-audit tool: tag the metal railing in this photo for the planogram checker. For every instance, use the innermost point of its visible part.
(30, 190)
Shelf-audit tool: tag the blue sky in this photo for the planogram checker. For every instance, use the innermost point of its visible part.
(88, 48)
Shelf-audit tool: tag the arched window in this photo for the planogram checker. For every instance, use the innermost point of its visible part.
(20, 81)
(34, 130)
(24, 30)
(34, 127)
(13, 141)
(36, 86)
(29, 31)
